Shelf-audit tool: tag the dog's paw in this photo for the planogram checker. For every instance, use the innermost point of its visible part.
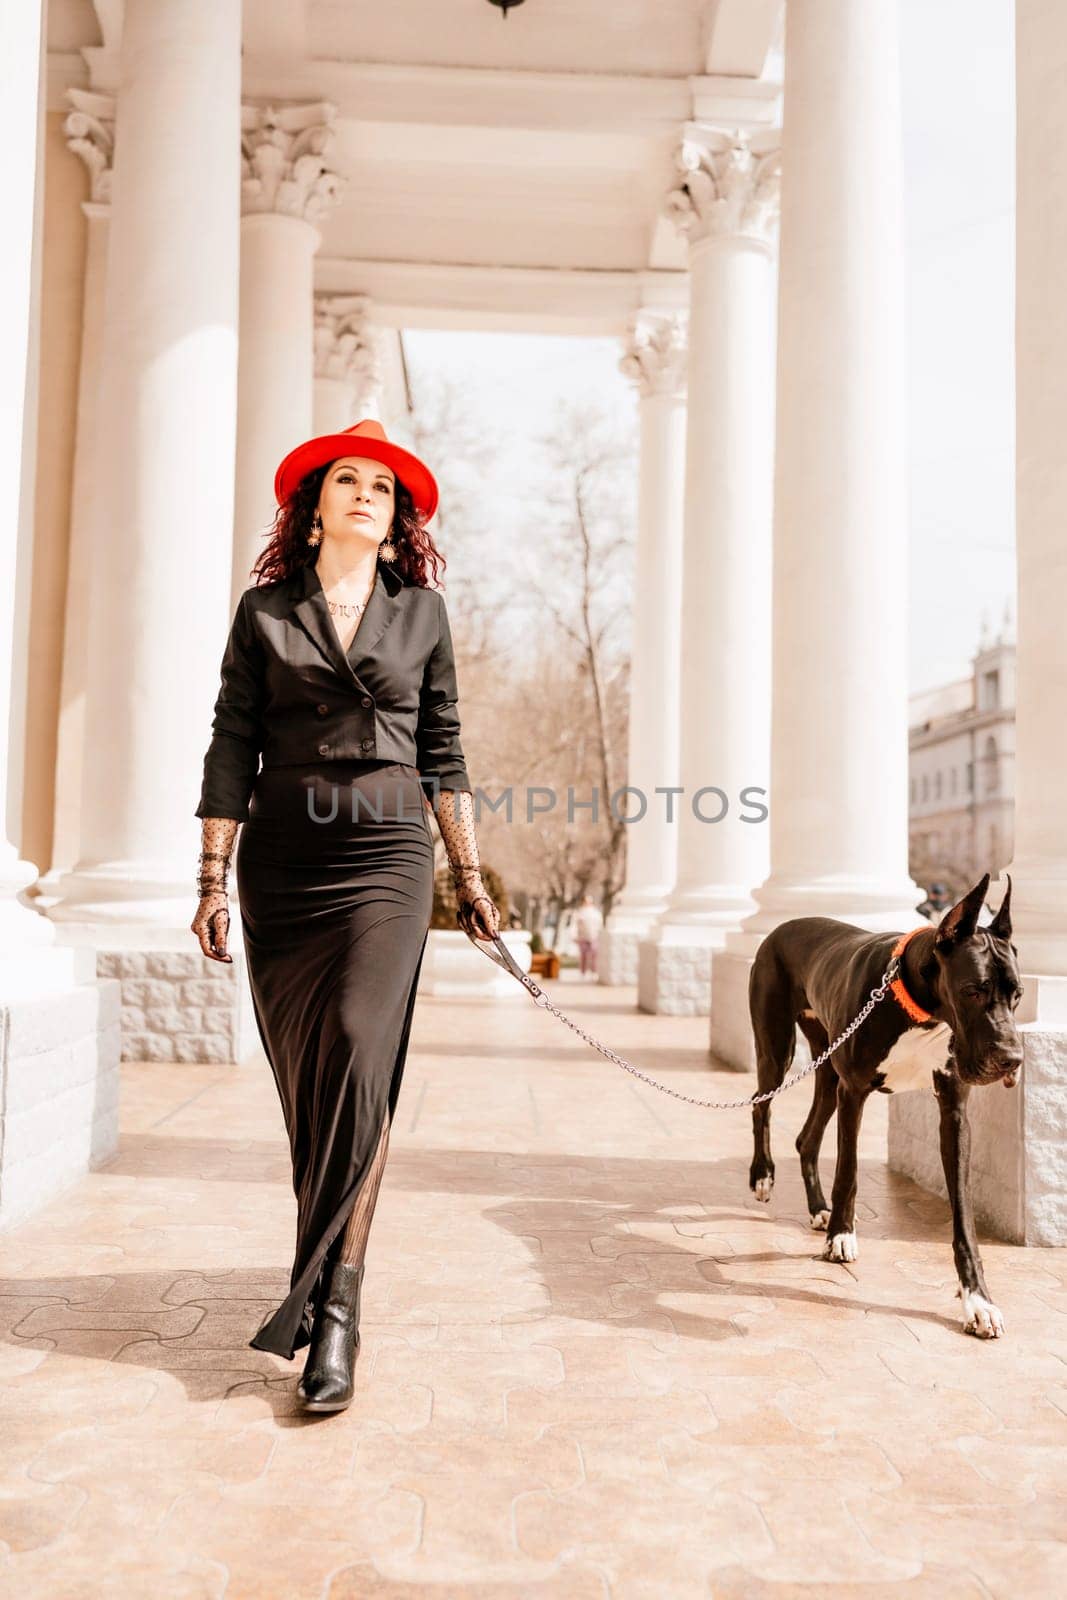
(820, 1220)
(762, 1189)
(980, 1316)
(841, 1247)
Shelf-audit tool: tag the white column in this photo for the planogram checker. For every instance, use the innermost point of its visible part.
(1039, 870)
(655, 358)
(286, 189)
(839, 801)
(164, 465)
(59, 1048)
(348, 362)
(1019, 1139)
(90, 130)
(726, 202)
(19, 125)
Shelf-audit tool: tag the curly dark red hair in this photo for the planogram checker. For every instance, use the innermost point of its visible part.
(288, 549)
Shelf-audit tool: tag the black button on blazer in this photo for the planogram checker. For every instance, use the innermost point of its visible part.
(290, 694)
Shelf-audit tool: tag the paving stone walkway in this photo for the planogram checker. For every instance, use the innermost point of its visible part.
(592, 1365)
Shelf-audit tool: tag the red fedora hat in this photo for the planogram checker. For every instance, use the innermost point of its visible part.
(367, 438)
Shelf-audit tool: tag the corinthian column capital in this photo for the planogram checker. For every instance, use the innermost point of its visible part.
(283, 165)
(90, 131)
(655, 353)
(725, 187)
(347, 346)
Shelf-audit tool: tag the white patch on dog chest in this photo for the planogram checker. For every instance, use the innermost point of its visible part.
(914, 1058)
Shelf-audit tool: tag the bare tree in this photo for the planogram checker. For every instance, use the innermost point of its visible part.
(560, 719)
(542, 660)
(592, 546)
(544, 752)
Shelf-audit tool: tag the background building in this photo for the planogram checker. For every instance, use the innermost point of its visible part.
(962, 771)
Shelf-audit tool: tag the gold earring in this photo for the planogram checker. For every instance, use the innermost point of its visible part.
(315, 536)
(387, 550)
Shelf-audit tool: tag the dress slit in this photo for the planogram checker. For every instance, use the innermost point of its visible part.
(333, 985)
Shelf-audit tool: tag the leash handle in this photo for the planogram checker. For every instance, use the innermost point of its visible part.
(503, 957)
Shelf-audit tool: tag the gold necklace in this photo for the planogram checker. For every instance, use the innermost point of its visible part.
(347, 608)
(338, 608)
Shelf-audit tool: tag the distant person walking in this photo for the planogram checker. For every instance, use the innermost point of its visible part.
(587, 925)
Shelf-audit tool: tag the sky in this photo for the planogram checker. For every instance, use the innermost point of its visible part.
(516, 388)
(958, 124)
(516, 385)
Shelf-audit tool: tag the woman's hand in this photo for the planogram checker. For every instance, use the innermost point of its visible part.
(476, 912)
(212, 921)
(212, 924)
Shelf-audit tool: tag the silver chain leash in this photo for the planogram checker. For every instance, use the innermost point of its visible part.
(878, 993)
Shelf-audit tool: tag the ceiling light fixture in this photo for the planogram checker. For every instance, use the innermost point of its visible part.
(504, 5)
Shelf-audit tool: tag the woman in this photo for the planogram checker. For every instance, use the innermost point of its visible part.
(339, 673)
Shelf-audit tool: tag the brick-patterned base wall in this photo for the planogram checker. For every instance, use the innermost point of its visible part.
(617, 956)
(179, 1006)
(674, 980)
(1018, 1144)
(995, 1113)
(59, 1093)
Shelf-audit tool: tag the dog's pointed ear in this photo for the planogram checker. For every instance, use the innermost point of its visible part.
(960, 922)
(1000, 927)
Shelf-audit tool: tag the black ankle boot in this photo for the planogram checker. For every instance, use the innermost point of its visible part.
(327, 1382)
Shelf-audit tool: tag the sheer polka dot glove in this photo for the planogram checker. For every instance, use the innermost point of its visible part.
(476, 913)
(212, 921)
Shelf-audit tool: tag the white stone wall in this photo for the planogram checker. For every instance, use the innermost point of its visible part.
(730, 1031)
(59, 1093)
(452, 966)
(914, 1150)
(1018, 1145)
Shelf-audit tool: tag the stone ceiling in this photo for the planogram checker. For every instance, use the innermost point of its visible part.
(498, 171)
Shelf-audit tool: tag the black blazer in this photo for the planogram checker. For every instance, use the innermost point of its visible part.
(291, 695)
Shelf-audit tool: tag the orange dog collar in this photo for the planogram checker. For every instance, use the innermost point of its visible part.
(900, 994)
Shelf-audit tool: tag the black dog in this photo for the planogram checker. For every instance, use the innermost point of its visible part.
(947, 1024)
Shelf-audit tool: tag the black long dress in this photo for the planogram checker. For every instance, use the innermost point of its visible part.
(335, 913)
